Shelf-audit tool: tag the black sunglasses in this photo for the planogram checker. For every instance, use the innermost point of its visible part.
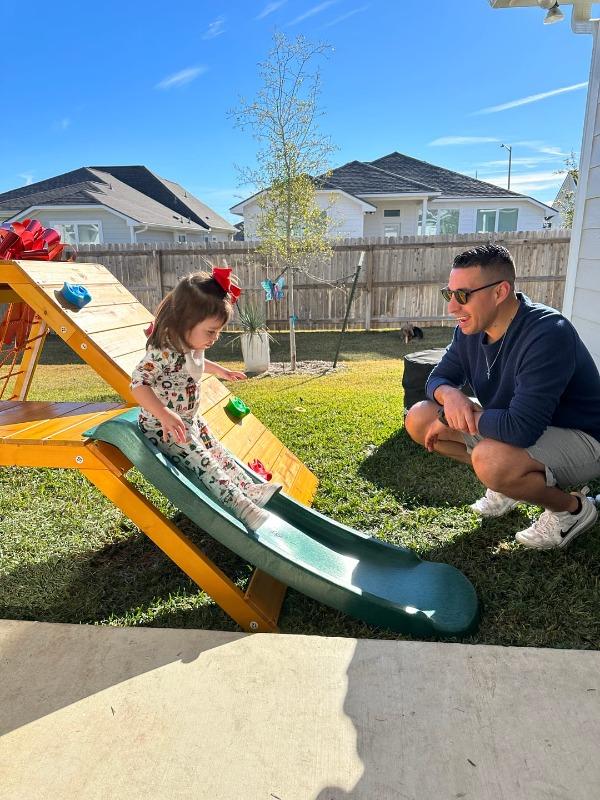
(462, 295)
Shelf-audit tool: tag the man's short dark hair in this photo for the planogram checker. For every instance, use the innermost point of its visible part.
(492, 258)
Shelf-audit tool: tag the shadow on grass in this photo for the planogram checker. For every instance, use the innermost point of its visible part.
(130, 581)
(529, 597)
(417, 477)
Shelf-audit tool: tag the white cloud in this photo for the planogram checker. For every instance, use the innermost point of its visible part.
(216, 28)
(521, 161)
(533, 98)
(312, 11)
(526, 182)
(270, 8)
(27, 177)
(345, 16)
(181, 78)
(448, 140)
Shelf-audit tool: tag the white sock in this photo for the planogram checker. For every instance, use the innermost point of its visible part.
(261, 493)
(253, 516)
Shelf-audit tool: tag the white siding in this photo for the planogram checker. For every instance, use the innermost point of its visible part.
(345, 213)
(350, 221)
(114, 228)
(582, 289)
(251, 215)
(531, 216)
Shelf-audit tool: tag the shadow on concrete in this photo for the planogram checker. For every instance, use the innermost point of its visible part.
(449, 721)
(45, 667)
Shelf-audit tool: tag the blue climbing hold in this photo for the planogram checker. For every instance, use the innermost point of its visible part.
(76, 294)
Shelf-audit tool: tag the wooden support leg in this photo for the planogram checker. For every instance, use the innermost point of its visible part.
(242, 608)
(31, 356)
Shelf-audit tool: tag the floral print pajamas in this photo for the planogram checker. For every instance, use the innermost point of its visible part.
(175, 379)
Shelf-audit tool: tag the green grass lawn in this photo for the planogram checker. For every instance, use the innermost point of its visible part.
(67, 555)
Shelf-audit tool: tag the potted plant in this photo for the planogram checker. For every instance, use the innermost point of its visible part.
(254, 338)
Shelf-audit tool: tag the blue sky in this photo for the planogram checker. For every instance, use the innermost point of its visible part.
(151, 83)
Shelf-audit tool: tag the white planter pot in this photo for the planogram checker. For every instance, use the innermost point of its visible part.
(255, 349)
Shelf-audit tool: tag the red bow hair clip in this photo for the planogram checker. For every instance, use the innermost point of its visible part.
(222, 275)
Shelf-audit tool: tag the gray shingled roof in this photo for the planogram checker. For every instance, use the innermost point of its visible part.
(117, 195)
(115, 189)
(198, 207)
(449, 183)
(400, 174)
(359, 177)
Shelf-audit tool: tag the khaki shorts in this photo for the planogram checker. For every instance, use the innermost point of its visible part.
(571, 457)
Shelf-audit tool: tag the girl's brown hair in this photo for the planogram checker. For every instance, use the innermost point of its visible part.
(195, 298)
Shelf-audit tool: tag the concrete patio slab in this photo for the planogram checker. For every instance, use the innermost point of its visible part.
(91, 713)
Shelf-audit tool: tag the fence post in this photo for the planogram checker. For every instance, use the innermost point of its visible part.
(356, 274)
(369, 299)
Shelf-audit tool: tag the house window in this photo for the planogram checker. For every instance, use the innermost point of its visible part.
(440, 221)
(181, 238)
(391, 229)
(76, 233)
(501, 220)
(391, 212)
(507, 219)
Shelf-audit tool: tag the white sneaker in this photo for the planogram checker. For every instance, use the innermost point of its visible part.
(493, 504)
(558, 528)
(261, 493)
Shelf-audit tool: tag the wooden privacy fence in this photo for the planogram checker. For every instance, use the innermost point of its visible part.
(399, 282)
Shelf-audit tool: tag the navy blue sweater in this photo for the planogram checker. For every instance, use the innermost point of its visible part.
(544, 375)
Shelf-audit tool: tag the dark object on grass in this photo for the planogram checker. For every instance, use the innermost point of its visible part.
(411, 332)
(417, 368)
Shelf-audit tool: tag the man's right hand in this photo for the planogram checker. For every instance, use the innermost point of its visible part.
(459, 410)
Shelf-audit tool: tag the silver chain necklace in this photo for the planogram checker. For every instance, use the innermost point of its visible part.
(488, 365)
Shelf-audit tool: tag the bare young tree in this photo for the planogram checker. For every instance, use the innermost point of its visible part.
(284, 117)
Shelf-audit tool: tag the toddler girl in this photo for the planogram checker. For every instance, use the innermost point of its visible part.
(166, 384)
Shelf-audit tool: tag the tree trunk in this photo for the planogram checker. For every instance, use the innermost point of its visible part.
(288, 233)
(291, 319)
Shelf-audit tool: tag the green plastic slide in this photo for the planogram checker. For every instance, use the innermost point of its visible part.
(348, 570)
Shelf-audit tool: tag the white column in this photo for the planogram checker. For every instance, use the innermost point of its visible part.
(591, 129)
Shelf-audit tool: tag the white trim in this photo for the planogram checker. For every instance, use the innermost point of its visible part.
(94, 206)
(400, 195)
(76, 222)
(364, 205)
(591, 109)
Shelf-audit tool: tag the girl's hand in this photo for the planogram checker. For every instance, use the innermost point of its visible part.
(433, 433)
(172, 425)
(233, 375)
